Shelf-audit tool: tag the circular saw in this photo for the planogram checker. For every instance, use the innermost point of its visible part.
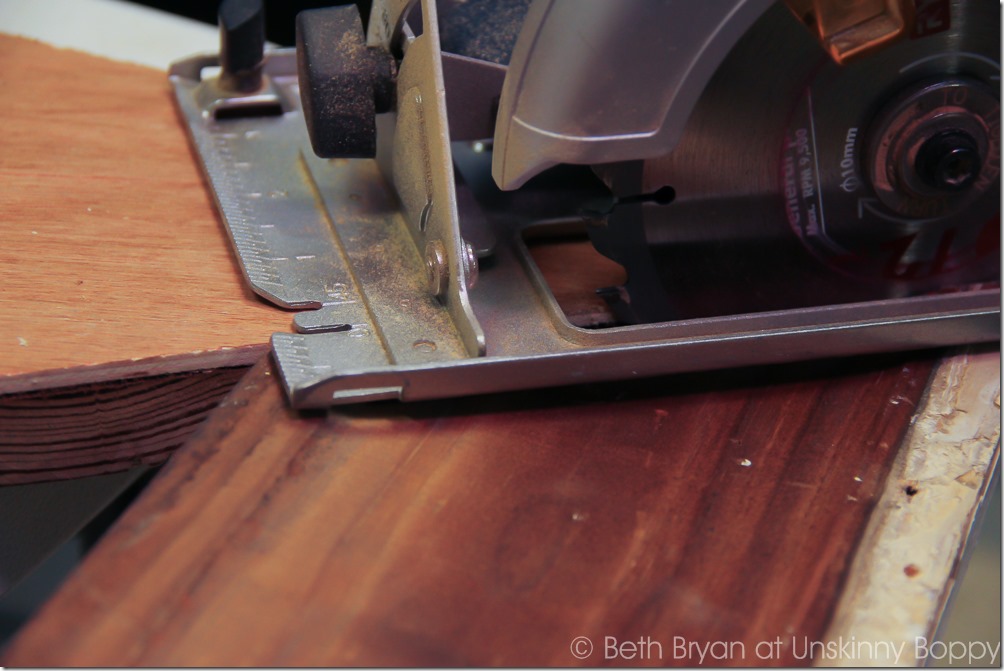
(778, 180)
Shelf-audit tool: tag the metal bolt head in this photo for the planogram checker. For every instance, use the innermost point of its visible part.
(470, 264)
(437, 268)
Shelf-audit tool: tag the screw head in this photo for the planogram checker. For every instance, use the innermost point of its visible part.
(437, 268)
(470, 261)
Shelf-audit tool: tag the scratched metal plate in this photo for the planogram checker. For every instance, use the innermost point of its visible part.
(323, 237)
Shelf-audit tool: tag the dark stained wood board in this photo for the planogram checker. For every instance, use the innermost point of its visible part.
(713, 507)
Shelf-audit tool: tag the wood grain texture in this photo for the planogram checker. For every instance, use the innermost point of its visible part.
(113, 267)
(105, 427)
(713, 507)
(111, 251)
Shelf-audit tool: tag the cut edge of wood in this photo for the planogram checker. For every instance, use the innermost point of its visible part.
(903, 573)
(95, 428)
(225, 357)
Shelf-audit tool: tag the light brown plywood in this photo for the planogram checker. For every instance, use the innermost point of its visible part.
(111, 250)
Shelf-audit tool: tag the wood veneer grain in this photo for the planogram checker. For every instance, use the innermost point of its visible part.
(111, 251)
(715, 507)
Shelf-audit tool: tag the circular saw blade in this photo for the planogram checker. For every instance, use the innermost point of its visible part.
(775, 178)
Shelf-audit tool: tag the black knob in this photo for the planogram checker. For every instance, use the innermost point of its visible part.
(343, 83)
(242, 44)
(949, 161)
